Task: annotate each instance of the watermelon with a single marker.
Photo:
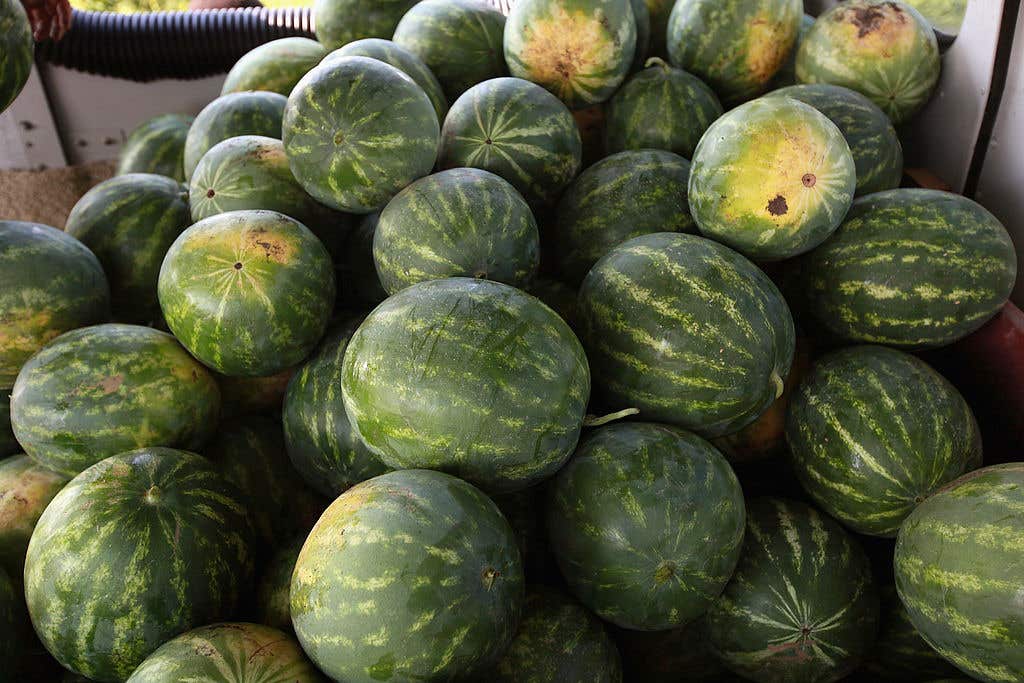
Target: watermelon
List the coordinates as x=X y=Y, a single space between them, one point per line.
x=459 y=40
x=622 y=196
x=412 y=575
x=49 y=283
x=238 y=113
x=945 y=16
x=559 y=640
x=356 y=131
x=106 y=389
x=8 y=444
x=676 y=500
x=910 y=268
x=157 y=146
x=687 y=331
x=877 y=153
x=787 y=74
x=25 y=491
x=660 y=108
x=358 y=281
x=129 y=222
x=273 y=602
x=463 y=222
x=275 y=66
x=773 y=178
x=802 y=605
x=643 y=34
x=136 y=549
x=517 y=130
x=900 y=653
x=579 y=50
x=885 y=50
x=339 y=22
x=247 y=292
x=468 y=376
x=16 y=51
x=960 y=572
x=673 y=656
x=252 y=395
x=735 y=46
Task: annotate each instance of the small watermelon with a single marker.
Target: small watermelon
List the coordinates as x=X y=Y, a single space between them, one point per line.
x=16 y=51
x=238 y=113
x=157 y=146
x=8 y=444
x=463 y=222
x=273 y=601
x=787 y=74
x=339 y=22
x=358 y=282
x=252 y=395
x=275 y=66
x=412 y=575
x=25 y=491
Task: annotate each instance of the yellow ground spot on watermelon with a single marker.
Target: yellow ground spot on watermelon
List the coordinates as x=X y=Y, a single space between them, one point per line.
x=28 y=329
x=884 y=29
x=767 y=47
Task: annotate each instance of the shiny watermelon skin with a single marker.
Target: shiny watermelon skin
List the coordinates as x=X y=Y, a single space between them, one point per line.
x=412 y=575
x=16 y=51
x=900 y=653
x=247 y=292
x=339 y=22
x=157 y=146
x=238 y=113
x=8 y=444
x=273 y=599
x=786 y=76
x=26 y=489
x=358 y=282
x=136 y=549
x=129 y=222
x=275 y=66
x=90 y=394
x=802 y=605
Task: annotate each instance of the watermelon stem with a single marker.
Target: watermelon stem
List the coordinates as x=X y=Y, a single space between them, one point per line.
x=780 y=385
x=656 y=61
x=595 y=421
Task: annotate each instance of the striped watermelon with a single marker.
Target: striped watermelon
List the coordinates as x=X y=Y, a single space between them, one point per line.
x=687 y=331
x=273 y=601
x=459 y=40
x=463 y=222
x=129 y=222
x=238 y=113
x=8 y=444
x=802 y=605
x=910 y=268
x=247 y=292
x=16 y=51
x=412 y=575
x=358 y=283
x=157 y=146
x=275 y=66
x=356 y=131
x=660 y=108
x=646 y=522
x=517 y=130
x=735 y=46
x=579 y=50
x=960 y=572
x=873 y=431
x=786 y=76
x=108 y=389
x=658 y=11
x=136 y=549
x=252 y=395
x=773 y=178
x=622 y=196
x=493 y=385
x=883 y=49
x=49 y=283
x=876 y=148
x=339 y=22
x=25 y=491
x=900 y=653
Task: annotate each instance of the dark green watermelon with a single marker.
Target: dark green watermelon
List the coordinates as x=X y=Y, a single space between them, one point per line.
x=16 y=51
x=136 y=549
x=273 y=602
x=339 y=22
x=157 y=146
x=25 y=490
x=673 y=656
x=239 y=113
x=247 y=292
x=802 y=605
x=252 y=395
x=129 y=222
x=469 y=376
x=358 y=282
x=900 y=653
x=412 y=575
x=517 y=130
x=8 y=444
x=275 y=66
x=108 y=389
x=786 y=76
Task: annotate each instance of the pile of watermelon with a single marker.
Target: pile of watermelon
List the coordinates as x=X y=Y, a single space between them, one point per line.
x=591 y=343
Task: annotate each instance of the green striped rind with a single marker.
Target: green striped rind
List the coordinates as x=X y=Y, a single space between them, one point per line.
x=273 y=600
x=157 y=146
x=16 y=51
x=459 y=40
x=339 y=22
x=735 y=46
x=786 y=76
x=129 y=222
x=687 y=331
x=773 y=178
x=239 y=113
x=660 y=108
x=358 y=283
x=275 y=66
x=672 y=656
x=464 y=222
x=49 y=283
x=960 y=572
x=253 y=395
x=356 y=131
x=643 y=34
x=25 y=491
x=234 y=652
x=579 y=50
x=8 y=444
x=468 y=376
x=558 y=640
x=802 y=605
x=517 y=130
x=411 y=576
x=247 y=292
x=622 y=196
x=900 y=653
x=885 y=50
x=876 y=149
x=910 y=268
x=133 y=551
x=873 y=431
x=405 y=61
x=103 y=390
x=658 y=12
x=646 y=522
